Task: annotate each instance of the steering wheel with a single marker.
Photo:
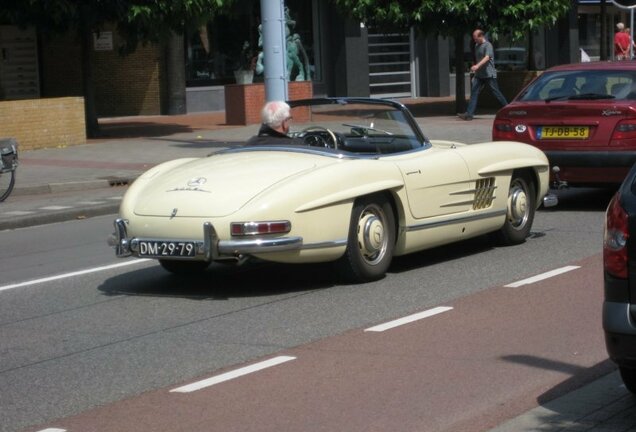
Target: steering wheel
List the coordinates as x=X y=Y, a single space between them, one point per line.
x=318 y=139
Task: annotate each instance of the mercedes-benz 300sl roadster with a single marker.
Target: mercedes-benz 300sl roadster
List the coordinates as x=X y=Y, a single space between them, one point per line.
x=358 y=185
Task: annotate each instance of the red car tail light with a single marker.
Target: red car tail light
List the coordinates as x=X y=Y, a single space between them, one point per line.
x=502 y=130
x=260 y=228
x=615 y=239
x=624 y=130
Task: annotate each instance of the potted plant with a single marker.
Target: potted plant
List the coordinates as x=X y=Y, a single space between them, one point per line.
x=247 y=62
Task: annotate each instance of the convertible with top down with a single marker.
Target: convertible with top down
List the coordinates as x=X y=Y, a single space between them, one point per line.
x=358 y=185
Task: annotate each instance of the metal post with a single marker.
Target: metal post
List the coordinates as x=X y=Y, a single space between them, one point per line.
x=631 y=33
x=274 y=49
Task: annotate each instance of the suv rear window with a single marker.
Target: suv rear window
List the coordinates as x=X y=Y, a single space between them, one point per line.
x=572 y=85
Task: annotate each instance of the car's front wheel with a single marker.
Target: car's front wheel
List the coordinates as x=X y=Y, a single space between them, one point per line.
x=183 y=267
x=371 y=240
x=520 y=209
x=629 y=378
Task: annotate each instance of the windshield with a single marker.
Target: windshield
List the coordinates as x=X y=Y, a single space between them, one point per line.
x=582 y=85
x=357 y=127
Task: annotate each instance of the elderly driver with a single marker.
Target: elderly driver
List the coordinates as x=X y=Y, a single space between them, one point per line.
x=275 y=117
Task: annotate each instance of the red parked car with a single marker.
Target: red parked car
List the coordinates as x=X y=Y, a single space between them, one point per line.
x=583 y=116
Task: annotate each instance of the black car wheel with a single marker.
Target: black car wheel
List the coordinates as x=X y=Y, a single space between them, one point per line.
x=629 y=378
x=371 y=240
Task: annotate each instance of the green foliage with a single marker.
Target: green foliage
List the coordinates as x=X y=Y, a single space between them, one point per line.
x=137 y=20
x=448 y=17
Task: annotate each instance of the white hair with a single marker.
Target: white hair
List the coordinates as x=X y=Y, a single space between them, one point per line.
x=274 y=113
x=620 y=26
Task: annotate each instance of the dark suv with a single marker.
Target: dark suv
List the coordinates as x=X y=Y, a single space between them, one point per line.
x=619 y=260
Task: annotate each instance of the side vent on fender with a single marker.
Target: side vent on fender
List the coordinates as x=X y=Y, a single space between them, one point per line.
x=484 y=193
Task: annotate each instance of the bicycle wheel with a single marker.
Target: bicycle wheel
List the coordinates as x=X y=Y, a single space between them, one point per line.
x=7 y=181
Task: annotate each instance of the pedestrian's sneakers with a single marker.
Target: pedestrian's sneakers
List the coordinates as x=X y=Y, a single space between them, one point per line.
x=465 y=116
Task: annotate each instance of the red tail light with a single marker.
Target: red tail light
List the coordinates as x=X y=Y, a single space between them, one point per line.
x=502 y=130
x=624 y=130
x=615 y=239
x=258 y=228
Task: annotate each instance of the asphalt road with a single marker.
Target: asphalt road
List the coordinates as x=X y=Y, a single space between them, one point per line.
x=77 y=334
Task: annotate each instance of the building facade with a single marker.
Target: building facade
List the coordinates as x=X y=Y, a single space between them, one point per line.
x=341 y=58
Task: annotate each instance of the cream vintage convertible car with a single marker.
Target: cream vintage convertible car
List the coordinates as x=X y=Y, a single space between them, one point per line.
x=360 y=185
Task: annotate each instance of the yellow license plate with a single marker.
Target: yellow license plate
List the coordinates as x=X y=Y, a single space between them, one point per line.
x=563 y=132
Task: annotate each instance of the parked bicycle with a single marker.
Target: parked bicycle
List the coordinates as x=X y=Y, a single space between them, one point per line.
x=8 y=166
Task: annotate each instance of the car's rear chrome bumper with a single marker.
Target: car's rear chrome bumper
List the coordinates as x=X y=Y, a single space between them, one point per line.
x=550 y=200
x=210 y=248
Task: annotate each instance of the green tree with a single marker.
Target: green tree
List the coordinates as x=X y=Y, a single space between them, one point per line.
x=456 y=18
x=138 y=21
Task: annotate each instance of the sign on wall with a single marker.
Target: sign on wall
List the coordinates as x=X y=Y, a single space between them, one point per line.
x=103 y=41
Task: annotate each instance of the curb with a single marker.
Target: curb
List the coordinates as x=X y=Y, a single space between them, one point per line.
x=84 y=185
x=58 y=216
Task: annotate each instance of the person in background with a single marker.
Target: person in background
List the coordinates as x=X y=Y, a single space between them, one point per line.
x=621 y=42
x=484 y=74
x=276 y=118
x=632 y=44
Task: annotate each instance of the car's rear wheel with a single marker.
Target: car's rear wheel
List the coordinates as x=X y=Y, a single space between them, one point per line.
x=520 y=209
x=371 y=240
x=629 y=378
x=183 y=267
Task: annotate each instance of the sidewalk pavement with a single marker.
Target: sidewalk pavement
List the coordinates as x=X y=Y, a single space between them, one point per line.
x=76 y=182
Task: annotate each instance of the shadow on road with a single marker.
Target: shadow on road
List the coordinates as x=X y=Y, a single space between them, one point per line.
x=440 y=254
x=221 y=282
x=583 y=199
x=579 y=375
x=602 y=403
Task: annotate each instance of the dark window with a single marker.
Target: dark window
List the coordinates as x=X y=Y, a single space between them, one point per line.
x=572 y=85
x=230 y=42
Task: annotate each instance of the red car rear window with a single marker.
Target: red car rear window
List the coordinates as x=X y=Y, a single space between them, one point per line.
x=582 y=85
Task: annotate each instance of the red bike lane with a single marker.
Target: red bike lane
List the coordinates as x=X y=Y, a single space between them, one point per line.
x=484 y=359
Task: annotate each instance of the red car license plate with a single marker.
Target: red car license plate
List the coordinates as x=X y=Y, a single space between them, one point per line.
x=163 y=248
x=563 y=132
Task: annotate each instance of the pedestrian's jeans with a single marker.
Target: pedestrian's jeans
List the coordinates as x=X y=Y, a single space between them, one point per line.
x=477 y=86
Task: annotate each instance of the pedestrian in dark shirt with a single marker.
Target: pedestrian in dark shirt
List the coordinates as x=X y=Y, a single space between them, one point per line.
x=484 y=74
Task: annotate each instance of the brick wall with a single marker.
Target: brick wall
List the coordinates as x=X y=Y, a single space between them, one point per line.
x=243 y=102
x=41 y=123
x=124 y=85
x=127 y=85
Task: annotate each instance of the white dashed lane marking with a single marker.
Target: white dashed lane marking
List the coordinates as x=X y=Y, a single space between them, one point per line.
x=542 y=276
x=232 y=374
x=71 y=274
x=409 y=319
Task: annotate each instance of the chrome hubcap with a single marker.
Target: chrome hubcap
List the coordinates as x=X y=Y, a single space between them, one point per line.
x=518 y=210
x=372 y=239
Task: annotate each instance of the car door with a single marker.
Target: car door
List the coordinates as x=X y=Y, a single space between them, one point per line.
x=437 y=183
